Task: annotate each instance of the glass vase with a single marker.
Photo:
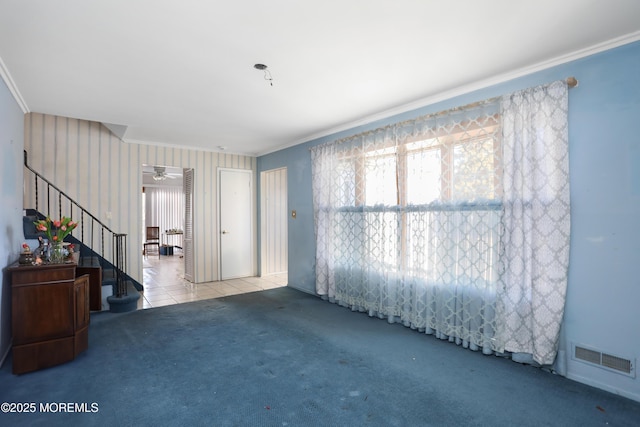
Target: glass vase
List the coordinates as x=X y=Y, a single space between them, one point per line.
x=57 y=253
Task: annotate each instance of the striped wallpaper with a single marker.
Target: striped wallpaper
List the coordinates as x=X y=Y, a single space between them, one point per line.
x=104 y=175
x=273 y=217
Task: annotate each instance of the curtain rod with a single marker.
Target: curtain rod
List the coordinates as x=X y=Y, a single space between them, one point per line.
x=571 y=83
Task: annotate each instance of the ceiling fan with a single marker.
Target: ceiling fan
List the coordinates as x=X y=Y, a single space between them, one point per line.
x=160 y=174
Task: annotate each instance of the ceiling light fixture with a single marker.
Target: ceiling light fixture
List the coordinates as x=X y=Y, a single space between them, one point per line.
x=267 y=73
x=160 y=173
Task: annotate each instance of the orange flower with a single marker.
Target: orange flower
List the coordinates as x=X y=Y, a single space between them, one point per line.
x=56 y=230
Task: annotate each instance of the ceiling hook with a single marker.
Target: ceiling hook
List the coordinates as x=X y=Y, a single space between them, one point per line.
x=267 y=73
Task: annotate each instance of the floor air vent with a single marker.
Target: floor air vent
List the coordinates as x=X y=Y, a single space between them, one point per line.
x=604 y=360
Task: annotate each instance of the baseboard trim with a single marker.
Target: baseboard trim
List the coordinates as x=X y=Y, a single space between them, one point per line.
x=306 y=291
x=604 y=386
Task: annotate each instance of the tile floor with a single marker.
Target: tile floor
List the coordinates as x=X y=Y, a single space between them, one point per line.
x=164 y=284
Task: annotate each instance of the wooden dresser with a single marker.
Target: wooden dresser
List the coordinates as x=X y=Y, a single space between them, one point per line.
x=50 y=315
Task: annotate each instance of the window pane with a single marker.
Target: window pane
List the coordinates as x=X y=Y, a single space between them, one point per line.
x=380 y=179
x=424 y=170
x=474 y=170
x=346 y=179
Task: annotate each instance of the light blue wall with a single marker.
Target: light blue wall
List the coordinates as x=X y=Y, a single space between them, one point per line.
x=12 y=141
x=603 y=301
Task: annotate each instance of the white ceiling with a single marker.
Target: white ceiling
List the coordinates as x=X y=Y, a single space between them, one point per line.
x=180 y=73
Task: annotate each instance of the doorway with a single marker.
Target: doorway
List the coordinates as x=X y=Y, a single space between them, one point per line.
x=163 y=207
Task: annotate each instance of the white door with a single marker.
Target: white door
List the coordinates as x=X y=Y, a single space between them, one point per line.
x=236 y=248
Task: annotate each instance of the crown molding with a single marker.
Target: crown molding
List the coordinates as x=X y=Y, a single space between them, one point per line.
x=186 y=147
x=6 y=77
x=464 y=89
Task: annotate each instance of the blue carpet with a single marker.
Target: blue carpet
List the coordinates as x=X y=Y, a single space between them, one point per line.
x=285 y=358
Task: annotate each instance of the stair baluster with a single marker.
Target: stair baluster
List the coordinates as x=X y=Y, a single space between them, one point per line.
x=119 y=243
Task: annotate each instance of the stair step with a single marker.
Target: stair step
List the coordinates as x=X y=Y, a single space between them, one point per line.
x=108 y=274
x=124 y=303
x=107 y=291
x=29 y=228
x=89 y=261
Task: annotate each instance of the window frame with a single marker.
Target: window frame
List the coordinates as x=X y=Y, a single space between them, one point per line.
x=445 y=143
x=433 y=139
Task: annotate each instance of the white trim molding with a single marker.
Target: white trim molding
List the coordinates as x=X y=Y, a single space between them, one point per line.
x=462 y=90
x=6 y=77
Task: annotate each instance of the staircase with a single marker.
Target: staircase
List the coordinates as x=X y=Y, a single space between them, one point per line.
x=104 y=259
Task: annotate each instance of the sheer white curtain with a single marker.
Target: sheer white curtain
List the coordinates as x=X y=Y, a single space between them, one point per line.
x=415 y=224
x=407 y=223
x=164 y=208
x=536 y=220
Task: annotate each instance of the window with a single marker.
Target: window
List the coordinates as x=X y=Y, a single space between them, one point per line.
x=427 y=206
x=409 y=221
x=380 y=177
x=424 y=173
x=412 y=220
x=456 y=167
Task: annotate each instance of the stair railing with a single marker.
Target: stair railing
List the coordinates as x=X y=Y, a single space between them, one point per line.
x=120 y=256
x=54 y=195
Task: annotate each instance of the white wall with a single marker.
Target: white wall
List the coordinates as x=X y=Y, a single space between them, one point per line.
x=104 y=175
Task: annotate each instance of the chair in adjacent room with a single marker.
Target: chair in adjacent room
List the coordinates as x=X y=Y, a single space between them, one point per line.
x=153 y=239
